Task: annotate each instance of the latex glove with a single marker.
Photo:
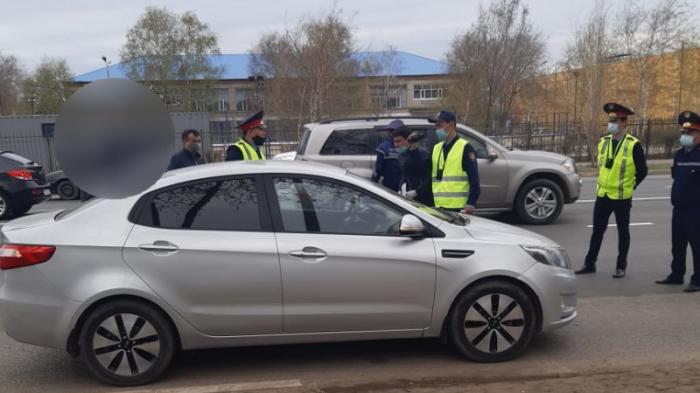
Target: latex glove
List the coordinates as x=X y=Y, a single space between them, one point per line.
x=411 y=194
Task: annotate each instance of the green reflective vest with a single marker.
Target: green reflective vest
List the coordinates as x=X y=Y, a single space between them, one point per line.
x=616 y=182
x=452 y=189
x=248 y=151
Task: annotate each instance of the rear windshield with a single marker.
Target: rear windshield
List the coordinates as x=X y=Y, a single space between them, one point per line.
x=17 y=158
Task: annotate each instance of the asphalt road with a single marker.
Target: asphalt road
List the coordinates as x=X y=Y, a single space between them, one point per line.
x=622 y=325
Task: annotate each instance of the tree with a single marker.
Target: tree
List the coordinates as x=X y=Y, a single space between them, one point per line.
x=493 y=59
x=381 y=70
x=308 y=68
x=11 y=76
x=44 y=90
x=169 y=52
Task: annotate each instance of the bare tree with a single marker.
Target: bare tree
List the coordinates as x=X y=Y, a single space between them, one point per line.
x=11 y=76
x=170 y=52
x=380 y=70
x=44 y=91
x=493 y=59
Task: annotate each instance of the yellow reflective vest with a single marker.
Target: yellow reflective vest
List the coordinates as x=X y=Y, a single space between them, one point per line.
x=616 y=182
x=451 y=189
x=248 y=151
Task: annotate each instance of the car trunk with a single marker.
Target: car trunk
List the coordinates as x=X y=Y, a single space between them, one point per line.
x=36 y=169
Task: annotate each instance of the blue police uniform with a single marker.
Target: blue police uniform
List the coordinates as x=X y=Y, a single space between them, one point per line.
x=388 y=167
x=185 y=158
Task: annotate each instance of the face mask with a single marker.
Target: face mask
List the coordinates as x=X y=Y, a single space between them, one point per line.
x=402 y=149
x=196 y=147
x=441 y=134
x=687 y=140
x=259 y=140
x=613 y=128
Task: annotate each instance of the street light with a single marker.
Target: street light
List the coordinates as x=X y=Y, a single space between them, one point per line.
x=32 y=100
x=107 y=63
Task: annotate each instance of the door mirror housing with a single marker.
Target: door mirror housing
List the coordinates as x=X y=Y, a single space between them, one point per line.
x=411 y=226
x=492 y=153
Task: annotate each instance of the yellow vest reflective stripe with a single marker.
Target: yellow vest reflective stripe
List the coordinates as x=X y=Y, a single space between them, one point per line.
x=249 y=153
x=618 y=181
x=452 y=190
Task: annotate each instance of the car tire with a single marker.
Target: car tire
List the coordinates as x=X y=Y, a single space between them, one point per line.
x=539 y=202
x=66 y=190
x=492 y=322
x=6 y=206
x=20 y=211
x=119 y=352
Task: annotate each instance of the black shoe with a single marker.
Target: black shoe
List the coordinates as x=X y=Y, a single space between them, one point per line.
x=585 y=270
x=692 y=288
x=670 y=281
x=619 y=273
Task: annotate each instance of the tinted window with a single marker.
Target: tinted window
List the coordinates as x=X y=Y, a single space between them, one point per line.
x=7 y=164
x=230 y=205
x=19 y=160
x=477 y=144
x=350 y=143
x=310 y=205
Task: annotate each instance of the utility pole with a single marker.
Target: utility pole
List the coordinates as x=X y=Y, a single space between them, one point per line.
x=680 y=78
x=107 y=63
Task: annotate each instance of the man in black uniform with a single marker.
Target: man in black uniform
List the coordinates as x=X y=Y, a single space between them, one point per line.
x=685 y=198
x=415 y=165
x=190 y=154
x=248 y=147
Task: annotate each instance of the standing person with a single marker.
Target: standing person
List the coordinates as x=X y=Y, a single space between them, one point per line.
x=248 y=147
x=387 y=167
x=622 y=166
x=455 y=173
x=415 y=165
x=685 y=198
x=191 y=153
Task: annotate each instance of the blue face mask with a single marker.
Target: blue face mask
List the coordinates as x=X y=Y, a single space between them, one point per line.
x=613 y=128
x=401 y=149
x=441 y=134
x=687 y=140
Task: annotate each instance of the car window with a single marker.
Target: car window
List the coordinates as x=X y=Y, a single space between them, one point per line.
x=7 y=164
x=355 y=142
x=301 y=150
x=311 y=205
x=228 y=205
x=477 y=144
x=18 y=160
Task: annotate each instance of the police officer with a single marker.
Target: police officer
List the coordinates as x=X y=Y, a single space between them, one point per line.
x=455 y=173
x=248 y=147
x=190 y=154
x=622 y=167
x=387 y=167
x=415 y=165
x=685 y=198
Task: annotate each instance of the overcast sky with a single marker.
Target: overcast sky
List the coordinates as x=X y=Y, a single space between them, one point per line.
x=82 y=31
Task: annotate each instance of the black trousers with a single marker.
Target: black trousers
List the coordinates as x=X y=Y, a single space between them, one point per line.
x=685 y=230
x=602 y=210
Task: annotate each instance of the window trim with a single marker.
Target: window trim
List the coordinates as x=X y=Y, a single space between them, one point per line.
x=265 y=218
x=276 y=214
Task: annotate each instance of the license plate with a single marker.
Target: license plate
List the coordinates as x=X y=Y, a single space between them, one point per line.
x=47 y=192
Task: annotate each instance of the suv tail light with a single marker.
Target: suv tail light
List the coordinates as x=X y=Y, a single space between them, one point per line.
x=18 y=255
x=19 y=173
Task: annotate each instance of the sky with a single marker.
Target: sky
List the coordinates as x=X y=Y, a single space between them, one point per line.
x=83 y=31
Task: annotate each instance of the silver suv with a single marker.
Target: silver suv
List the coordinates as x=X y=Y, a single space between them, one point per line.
x=534 y=184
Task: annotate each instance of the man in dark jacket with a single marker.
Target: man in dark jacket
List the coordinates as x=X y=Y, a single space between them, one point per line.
x=387 y=167
x=190 y=154
x=415 y=166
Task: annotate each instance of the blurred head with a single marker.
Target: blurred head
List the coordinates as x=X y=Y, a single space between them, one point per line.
x=401 y=138
x=192 y=140
x=690 y=128
x=445 y=121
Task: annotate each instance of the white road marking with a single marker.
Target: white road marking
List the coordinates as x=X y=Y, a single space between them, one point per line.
x=236 y=387
x=633 y=224
x=634 y=199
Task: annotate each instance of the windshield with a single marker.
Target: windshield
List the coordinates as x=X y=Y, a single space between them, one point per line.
x=441 y=214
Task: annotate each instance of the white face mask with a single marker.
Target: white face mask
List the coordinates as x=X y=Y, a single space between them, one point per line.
x=613 y=128
x=687 y=140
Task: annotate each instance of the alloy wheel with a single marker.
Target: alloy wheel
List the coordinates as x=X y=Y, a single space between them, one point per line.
x=540 y=202
x=494 y=323
x=126 y=344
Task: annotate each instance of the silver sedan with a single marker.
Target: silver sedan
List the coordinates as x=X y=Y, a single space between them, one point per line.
x=274 y=252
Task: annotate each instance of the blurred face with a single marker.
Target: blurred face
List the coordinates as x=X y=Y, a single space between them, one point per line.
x=260 y=131
x=695 y=134
x=621 y=122
x=400 y=141
x=192 y=139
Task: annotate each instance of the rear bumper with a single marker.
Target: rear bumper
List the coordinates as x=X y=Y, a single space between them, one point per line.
x=40 y=194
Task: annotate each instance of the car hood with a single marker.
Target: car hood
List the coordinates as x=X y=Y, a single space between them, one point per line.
x=30 y=221
x=536 y=155
x=492 y=231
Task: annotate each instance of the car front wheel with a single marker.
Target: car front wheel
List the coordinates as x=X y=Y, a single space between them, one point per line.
x=492 y=322
x=127 y=343
x=539 y=202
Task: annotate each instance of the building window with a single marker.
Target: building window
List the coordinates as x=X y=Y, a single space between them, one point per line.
x=244 y=99
x=388 y=97
x=220 y=98
x=427 y=92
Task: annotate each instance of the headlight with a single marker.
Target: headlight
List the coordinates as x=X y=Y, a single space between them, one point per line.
x=569 y=165
x=549 y=256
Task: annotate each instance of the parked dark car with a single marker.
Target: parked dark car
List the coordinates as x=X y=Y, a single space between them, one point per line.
x=22 y=184
x=62 y=186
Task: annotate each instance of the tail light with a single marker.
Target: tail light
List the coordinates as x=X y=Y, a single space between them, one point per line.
x=18 y=255
x=19 y=173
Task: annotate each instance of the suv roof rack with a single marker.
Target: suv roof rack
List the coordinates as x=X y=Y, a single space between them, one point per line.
x=373 y=118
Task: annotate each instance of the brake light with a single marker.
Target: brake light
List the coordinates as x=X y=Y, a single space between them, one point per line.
x=18 y=255
x=22 y=174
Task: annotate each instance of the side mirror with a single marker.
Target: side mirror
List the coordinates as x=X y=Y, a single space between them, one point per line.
x=492 y=154
x=411 y=227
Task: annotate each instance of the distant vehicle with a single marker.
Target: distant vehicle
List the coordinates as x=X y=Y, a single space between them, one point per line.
x=62 y=186
x=22 y=185
x=232 y=254
x=534 y=184
x=290 y=155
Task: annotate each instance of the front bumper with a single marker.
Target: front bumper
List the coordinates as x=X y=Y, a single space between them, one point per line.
x=574 y=183
x=556 y=290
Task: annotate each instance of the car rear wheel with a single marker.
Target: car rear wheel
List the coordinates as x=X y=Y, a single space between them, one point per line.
x=6 y=207
x=67 y=190
x=127 y=343
x=539 y=202
x=492 y=322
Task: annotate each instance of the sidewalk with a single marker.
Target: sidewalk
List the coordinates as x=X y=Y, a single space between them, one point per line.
x=656 y=167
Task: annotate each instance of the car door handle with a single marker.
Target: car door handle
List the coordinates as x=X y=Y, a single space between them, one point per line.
x=309 y=253
x=159 y=246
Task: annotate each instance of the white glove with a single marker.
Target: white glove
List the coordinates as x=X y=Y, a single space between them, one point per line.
x=411 y=194
x=402 y=190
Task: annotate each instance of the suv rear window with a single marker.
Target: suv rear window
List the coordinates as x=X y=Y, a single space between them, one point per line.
x=357 y=142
